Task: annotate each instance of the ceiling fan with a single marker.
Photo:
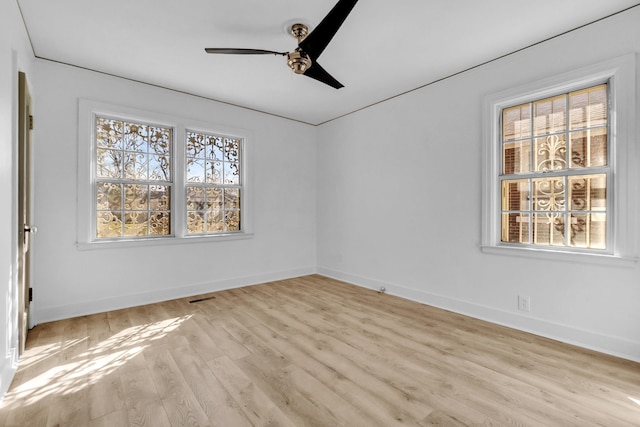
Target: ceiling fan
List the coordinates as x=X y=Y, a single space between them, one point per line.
x=303 y=60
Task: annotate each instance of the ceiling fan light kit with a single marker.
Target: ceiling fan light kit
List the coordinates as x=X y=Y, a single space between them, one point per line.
x=304 y=59
x=298 y=61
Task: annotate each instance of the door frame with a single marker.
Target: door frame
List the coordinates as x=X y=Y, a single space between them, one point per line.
x=24 y=217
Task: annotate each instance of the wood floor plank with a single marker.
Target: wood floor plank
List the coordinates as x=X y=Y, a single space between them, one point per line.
x=69 y=409
x=105 y=395
x=280 y=383
x=199 y=340
x=260 y=410
x=138 y=388
x=216 y=402
x=180 y=404
x=229 y=345
x=148 y=414
x=309 y=351
x=118 y=418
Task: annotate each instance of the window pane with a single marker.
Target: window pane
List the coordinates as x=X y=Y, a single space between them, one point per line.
x=195 y=170
x=136 y=137
x=135 y=223
x=159 y=198
x=515 y=195
x=214 y=221
x=215 y=147
x=195 y=198
x=515 y=228
x=516 y=123
x=136 y=197
x=231 y=173
x=516 y=157
x=108 y=224
x=232 y=220
x=159 y=140
x=160 y=224
x=232 y=150
x=232 y=198
x=108 y=163
x=136 y=166
x=195 y=222
x=588 y=107
x=214 y=172
x=548 y=194
x=195 y=145
x=550 y=153
x=108 y=196
x=549 y=115
x=588 y=230
x=159 y=168
x=109 y=133
x=589 y=148
x=214 y=198
x=588 y=192
x=548 y=229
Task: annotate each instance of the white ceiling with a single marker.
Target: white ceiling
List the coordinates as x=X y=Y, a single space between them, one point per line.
x=384 y=48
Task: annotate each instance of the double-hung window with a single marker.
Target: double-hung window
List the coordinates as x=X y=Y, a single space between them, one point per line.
x=152 y=178
x=555 y=170
x=133 y=179
x=213 y=186
x=559 y=162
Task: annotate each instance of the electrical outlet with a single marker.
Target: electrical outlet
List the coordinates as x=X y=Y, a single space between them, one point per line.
x=524 y=303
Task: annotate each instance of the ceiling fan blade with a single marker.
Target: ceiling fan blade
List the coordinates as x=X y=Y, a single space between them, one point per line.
x=315 y=43
x=320 y=74
x=234 y=51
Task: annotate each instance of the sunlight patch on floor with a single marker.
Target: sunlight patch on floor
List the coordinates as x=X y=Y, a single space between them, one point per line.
x=87 y=367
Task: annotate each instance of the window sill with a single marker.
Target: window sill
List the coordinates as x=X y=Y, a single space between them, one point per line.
x=551 y=255
x=161 y=241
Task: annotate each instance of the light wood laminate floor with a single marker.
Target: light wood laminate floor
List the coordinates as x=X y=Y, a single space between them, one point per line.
x=309 y=351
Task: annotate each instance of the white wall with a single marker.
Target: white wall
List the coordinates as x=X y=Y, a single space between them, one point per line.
x=68 y=282
x=15 y=55
x=399 y=204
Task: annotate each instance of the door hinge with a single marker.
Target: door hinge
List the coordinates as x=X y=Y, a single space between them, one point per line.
x=30 y=122
x=30 y=294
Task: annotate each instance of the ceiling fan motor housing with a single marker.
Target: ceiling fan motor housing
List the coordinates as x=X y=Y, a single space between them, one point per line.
x=298 y=61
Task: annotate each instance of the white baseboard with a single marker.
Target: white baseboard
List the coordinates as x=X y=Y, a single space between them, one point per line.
x=614 y=346
x=48 y=314
x=8 y=368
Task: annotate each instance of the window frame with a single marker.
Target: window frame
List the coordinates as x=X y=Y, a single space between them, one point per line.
x=619 y=74
x=240 y=186
x=566 y=174
x=125 y=181
x=86 y=210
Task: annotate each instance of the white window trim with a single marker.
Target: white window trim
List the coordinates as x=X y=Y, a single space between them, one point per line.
x=620 y=74
x=87 y=111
